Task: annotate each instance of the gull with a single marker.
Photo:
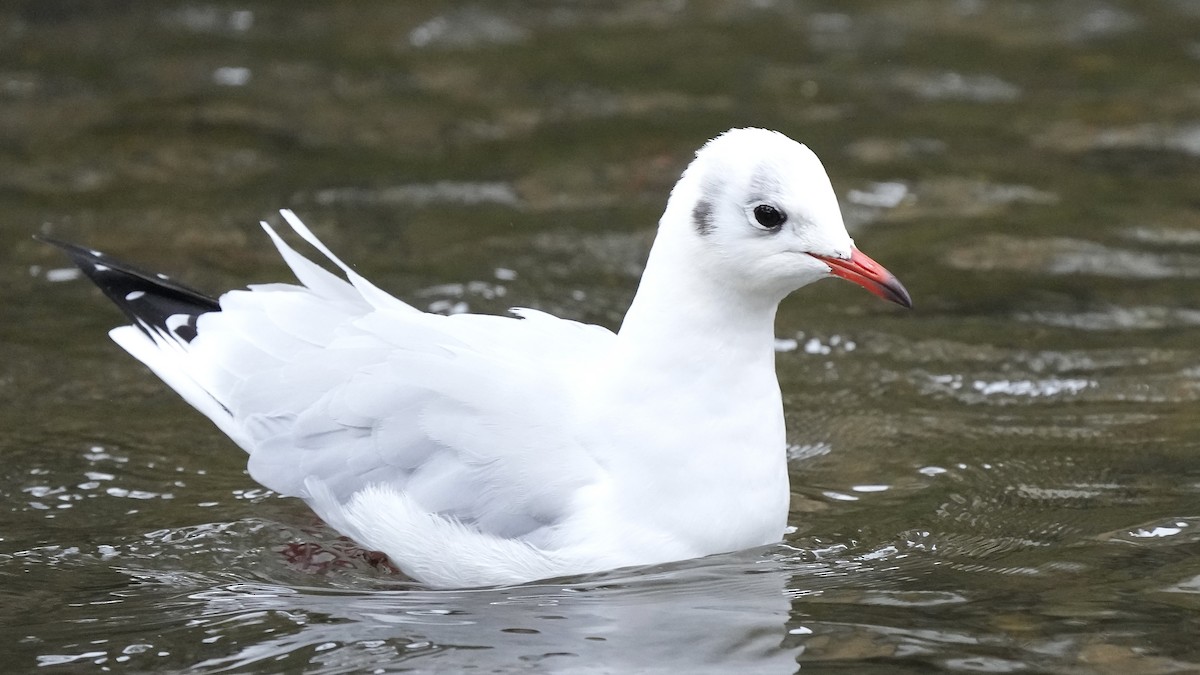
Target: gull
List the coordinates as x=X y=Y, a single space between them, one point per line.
x=482 y=450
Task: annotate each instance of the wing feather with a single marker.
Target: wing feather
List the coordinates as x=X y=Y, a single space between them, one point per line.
x=367 y=290
x=348 y=397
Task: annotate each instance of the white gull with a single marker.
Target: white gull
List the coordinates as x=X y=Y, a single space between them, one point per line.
x=482 y=450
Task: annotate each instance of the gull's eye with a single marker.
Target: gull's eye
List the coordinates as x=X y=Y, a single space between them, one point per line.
x=769 y=217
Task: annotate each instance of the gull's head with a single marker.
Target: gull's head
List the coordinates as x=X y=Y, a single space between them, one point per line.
x=758 y=213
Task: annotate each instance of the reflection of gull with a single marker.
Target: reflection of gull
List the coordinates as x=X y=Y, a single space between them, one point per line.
x=478 y=450
x=726 y=615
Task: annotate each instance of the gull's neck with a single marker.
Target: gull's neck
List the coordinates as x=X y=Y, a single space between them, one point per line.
x=683 y=314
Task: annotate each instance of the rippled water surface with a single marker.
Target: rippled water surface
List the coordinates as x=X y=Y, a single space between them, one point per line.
x=1006 y=479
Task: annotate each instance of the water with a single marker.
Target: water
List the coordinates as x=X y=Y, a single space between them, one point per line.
x=1006 y=479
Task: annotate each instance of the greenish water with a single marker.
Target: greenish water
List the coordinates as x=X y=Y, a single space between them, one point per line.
x=1006 y=479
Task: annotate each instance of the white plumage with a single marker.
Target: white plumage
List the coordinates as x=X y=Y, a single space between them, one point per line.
x=480 y=450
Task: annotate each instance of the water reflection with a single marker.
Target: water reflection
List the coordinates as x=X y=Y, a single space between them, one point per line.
x=724 y=616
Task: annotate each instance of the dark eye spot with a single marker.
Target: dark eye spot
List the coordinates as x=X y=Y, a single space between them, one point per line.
x=769 y=217
x=702 y=217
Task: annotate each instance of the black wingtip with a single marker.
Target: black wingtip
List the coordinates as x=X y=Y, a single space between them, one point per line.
x=151 y=301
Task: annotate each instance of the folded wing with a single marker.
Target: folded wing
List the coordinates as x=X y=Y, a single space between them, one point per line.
x=338 y=390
